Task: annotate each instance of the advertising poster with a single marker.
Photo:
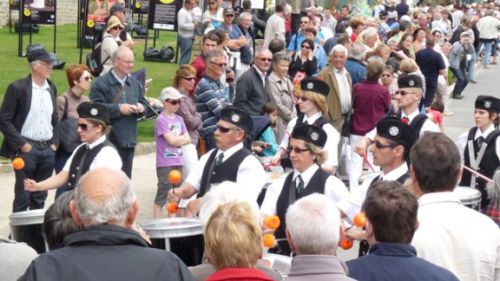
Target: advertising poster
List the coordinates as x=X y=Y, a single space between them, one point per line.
x=163 y=14
x=140 y=6
x=40 y=11
x=98 y=12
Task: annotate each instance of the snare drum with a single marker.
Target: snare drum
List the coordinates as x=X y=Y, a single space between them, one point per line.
x=27 y=227
x=182 y=236
x=470 y=197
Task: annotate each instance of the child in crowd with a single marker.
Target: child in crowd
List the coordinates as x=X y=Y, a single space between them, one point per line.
x=435 y=113
x=171 y=134
x=266 y=146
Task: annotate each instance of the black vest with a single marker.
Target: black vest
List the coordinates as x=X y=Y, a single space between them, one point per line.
x=319 y=122
x=79 y=165
x=487 y=167
x=226 y=171
x=288 y=196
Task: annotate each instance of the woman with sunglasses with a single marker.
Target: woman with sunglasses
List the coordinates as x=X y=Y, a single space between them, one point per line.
x=79 y=80
x=95 y=151
x=304 y=61
x=313 y=108
x=307 y=154
x=110 y=42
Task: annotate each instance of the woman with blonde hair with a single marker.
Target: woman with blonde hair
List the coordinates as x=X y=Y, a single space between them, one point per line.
x=313 y=111
x=381 y=52
x=409 y=66
x=233 y=243
x=212 y=17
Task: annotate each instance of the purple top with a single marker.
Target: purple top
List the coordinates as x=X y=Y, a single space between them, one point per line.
x=166 y=154
x=370 y=103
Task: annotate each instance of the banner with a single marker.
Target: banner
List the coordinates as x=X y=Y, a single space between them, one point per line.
x=98 y=12
x=40 y=11
x=163 y=14
x=140 y=6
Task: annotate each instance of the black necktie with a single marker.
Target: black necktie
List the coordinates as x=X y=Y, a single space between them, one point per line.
x=299 y=185
x=219 y=159
x=480 y=141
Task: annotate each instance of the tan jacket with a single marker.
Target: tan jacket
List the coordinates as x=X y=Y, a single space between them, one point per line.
x=333 y=100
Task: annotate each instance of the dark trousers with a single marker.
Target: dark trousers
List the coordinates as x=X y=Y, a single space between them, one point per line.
x=38 y=165
x=430 y=93
x=461 y=82
x=127 y=156
x=296 y=22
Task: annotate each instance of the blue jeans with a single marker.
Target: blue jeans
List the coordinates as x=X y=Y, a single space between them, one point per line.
x=38 y=165
x=471 y=68
x=185 y=44
x=486 y=51
x=461 y=82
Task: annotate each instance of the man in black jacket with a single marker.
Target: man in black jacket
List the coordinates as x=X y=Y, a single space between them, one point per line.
x=28 y=119
x=109 y=247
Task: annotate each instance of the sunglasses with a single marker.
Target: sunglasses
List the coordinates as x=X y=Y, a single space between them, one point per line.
x=189 y=78
x=87 y=78
x=402 y=93
x=226 y=130
x=84 y=127
x=230 y=16
x=380 y=145
x=297 y=150
x=306 y=47
x=173 y=102
x=219 y=64
x=302 y=98
x=265 y=59
x=117 y=28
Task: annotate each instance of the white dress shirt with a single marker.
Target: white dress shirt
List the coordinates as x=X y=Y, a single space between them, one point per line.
x=351 y=205
x=462 y=140
x=107 y=157
x=251 y=175
x=457 y=238
x=332 y=137
x=334 y=189
x=345 y=95
x=38 y=123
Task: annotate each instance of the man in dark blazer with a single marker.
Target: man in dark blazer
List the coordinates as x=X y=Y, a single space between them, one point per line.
x=28 y=120
x=250 y=95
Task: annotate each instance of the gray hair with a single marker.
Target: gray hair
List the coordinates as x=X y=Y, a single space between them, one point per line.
x=215 y=54
x=116 y=54
x=113 y=208
x=280 y=56
x=313 y=223
x=339 y=48
x=224 y=192
x=368 y=33
x=243 y=15
x=358 y=51
x=259 y=51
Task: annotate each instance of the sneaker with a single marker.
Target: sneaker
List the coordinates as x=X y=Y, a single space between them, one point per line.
x=493 y=62
x=458 y=97
x=473 y=81
x=448 y=113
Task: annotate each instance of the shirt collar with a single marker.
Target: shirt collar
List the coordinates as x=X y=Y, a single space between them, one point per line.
x=393 y=249
x=307 y=174
x=122 y=81
x=410 y=116
x=97 y=142
x=438 y=197
x=310 y=120
x=230 y=151
x=396 y=173
x=262 y=74
x=44 y=87
x=484 y=134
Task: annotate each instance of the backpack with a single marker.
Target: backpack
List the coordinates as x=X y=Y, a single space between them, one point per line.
x=94 y=61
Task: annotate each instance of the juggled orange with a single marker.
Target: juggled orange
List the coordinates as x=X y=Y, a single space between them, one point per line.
x=346 y=244
x=359 y=219
x=172 y=207
x=268 y=240
x=174 y=177
x=18 y=163
x=272 y=222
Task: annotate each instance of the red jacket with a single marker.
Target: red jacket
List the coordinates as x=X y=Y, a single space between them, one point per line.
x=239 y=274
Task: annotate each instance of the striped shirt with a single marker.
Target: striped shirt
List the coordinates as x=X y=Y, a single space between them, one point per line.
x=38 y=124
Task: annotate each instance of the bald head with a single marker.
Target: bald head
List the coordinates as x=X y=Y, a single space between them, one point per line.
x=104 y=195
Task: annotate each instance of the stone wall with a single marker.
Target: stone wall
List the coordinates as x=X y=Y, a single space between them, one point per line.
x=66 y=12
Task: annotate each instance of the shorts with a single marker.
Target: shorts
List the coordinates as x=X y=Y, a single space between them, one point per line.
x=163 y=185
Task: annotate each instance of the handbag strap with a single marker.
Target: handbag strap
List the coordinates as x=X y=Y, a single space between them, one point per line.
x=65 y=113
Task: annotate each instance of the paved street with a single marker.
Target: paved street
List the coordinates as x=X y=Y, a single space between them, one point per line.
x=144 y=175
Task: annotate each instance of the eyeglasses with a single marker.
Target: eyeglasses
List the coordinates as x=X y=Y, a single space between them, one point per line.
x=266 y=59
x=84 y=127
x=87 y=78
x=173 y=102
x=229 y=16
x=189 y=78
x=306 y=47
x=117 y=27
x=386 y=75
x=226 y=130
x=380 y=145
x=402 y=93
x=128 y=61
x=219 y=64
x=305 y=22
x=297 y=150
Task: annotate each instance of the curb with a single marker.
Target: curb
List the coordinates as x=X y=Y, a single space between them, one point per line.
x=140 y=149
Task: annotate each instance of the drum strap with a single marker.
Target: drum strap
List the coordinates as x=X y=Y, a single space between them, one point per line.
x=474 y=162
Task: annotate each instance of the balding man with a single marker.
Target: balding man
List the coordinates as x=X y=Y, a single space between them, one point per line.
x=123 y=95
x=108 y=247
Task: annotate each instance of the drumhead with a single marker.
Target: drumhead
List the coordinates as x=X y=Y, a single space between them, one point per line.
x=27 y=217
x=466 y=193
x=172 y=227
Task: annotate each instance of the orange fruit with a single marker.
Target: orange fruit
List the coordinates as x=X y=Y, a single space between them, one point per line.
x=359 y=219
x=172 y=208
x=272 y=222
x=268 y=240
x=174 y=177
x=18 y=163
x=346 y=244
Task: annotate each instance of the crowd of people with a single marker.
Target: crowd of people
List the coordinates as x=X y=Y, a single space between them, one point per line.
x=315 y=95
